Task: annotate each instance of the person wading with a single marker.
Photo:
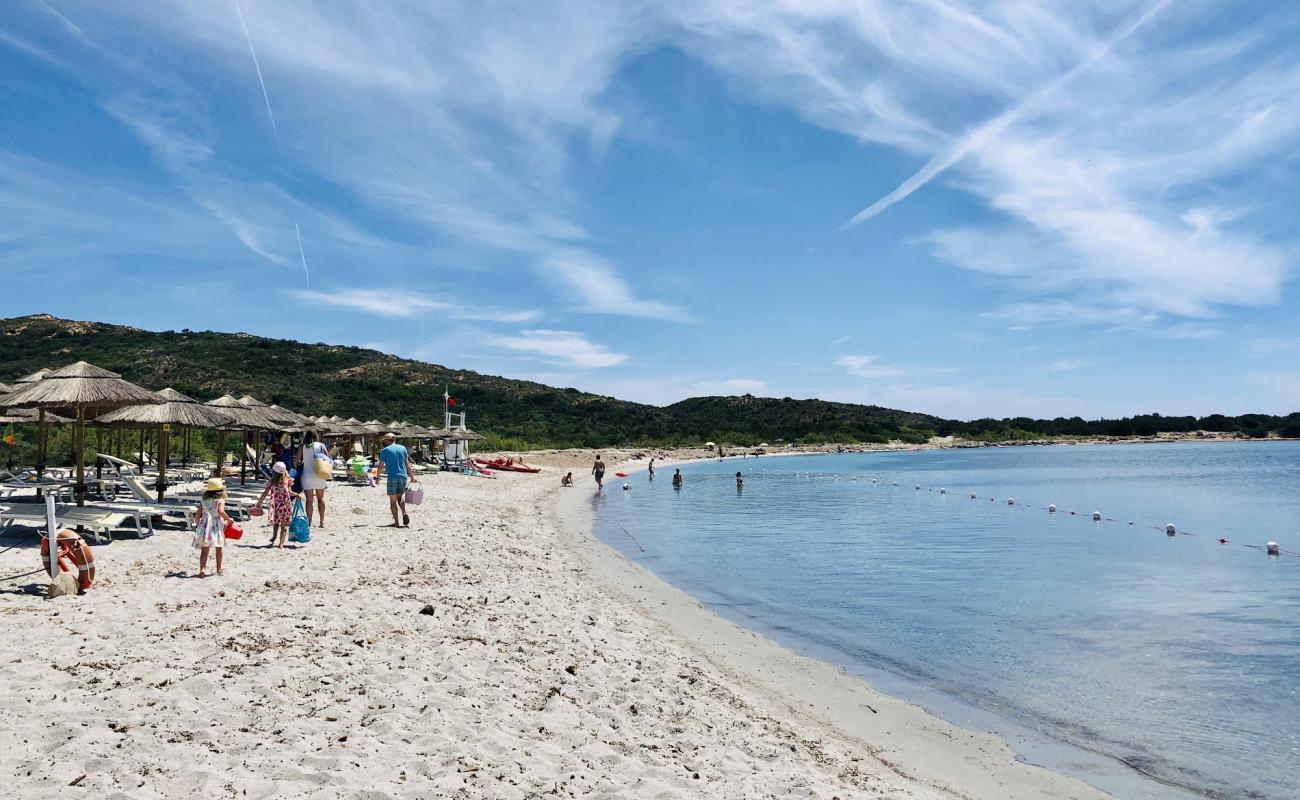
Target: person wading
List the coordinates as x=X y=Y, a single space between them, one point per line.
x=598 y=472
x=396 y=462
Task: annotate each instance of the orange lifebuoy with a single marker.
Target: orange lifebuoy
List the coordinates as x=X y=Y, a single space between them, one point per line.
x=74 y=556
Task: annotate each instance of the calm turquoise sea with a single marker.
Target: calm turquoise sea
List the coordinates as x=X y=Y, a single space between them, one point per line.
x=1178 y=656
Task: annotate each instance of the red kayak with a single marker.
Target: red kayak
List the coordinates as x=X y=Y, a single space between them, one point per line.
x=506 y=465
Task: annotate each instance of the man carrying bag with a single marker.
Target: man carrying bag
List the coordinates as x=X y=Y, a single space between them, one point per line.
x=395 y=461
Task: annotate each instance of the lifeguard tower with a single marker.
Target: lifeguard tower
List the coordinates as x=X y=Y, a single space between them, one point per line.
x=455 y=447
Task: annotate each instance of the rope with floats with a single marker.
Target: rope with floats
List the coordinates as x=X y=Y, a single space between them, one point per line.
x=1171 y=530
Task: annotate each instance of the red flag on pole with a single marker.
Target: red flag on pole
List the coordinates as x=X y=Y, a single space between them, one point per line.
x=451 y=401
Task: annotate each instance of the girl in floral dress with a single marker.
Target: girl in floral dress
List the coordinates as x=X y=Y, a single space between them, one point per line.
x=281 y=493
x=210 y=520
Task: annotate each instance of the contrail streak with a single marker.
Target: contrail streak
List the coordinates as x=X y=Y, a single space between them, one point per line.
x=306 y=272
x=982 y=134
x=258 y=67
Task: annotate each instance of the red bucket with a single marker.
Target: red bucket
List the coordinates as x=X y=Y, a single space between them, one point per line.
x=233 y=531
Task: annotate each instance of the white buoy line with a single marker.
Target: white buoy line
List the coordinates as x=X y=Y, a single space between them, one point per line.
x=1271 y=548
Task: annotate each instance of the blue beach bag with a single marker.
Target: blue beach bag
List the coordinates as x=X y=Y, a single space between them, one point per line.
x=299 y=525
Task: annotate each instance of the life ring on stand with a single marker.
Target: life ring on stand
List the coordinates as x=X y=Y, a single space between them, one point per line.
x=74 y=557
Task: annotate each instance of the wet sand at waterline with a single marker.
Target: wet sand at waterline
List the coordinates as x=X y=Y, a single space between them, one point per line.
x=493 y=649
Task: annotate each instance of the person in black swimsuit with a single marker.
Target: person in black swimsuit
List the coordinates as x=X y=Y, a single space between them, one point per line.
x=598 y=471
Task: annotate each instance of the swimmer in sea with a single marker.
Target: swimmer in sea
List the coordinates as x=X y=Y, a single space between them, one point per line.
x=677 y=479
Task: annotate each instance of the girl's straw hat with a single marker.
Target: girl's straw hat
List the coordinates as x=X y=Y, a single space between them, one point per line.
x=214 y=485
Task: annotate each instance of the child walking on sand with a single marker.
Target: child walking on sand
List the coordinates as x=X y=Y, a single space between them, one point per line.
x=210 y=520
x=282 y=494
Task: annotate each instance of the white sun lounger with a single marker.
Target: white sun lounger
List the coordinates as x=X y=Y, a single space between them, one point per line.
x=98 y=520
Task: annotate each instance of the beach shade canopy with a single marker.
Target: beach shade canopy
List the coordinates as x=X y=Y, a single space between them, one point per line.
x=279 y=420
x=355 y=427
x=27 y=416
x=79 y=385
x=241 y=416
x=375 y=426
x=293 y=420
x=323 y=425
x=710 y=444
x=177 y=409
x=465 y=435
x=35 y=376
x=87 y=390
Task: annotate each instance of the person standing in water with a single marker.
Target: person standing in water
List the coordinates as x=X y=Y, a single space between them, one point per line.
x=652 y=469
x=677 y=479
x=598 y=471
x=740 y=482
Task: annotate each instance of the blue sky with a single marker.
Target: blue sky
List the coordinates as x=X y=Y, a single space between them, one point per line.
x=970 y=209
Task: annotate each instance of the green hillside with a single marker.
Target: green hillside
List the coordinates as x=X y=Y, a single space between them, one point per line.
x=353 y=381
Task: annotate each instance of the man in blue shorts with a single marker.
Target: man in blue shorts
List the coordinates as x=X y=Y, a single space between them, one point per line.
x=396 y=462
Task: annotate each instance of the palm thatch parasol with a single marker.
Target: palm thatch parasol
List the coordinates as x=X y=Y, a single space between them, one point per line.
x=293 y=419
x=322 y=425
x=40 y=418
x=87 y=390
x=284 y=419
x=245 y=418
x=178 y=410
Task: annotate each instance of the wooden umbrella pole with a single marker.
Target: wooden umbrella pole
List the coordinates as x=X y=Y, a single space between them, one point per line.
x=221 y=452
x=40 y=443
x=243 y=460
x=99 y=448
x=141 y=459
x=164 y=444
x=79 y=438
x=185 y=457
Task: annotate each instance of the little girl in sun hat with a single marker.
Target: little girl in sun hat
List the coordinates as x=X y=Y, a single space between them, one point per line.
x=281 y=494
x=210 y=520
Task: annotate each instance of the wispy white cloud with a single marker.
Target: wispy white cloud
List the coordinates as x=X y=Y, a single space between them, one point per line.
x=867 y=366
x=1265 y=346
x=1115 y=144
x=1067 y=364
x=988 y=132
x=564 y=348
x=404 y=303
x=1025 y=316
x=595 y=286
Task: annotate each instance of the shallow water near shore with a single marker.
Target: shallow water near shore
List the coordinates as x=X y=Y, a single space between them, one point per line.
x=1177 y=655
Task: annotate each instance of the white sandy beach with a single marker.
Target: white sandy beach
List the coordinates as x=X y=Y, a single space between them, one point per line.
x=547 y=665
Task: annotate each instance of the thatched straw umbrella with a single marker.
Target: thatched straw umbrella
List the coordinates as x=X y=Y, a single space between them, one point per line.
x=178 y=410
x=245 y=418
x=293 y=420
x=26 y=416
x=41 y=421
x=87 y=390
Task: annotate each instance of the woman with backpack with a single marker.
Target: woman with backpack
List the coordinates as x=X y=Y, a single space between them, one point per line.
x=316 y=470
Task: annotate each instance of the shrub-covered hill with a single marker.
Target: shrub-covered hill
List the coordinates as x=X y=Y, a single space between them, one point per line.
x=356 y=382
x=353 y=381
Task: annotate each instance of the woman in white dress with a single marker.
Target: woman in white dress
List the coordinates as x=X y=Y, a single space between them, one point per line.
x=313 y=485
